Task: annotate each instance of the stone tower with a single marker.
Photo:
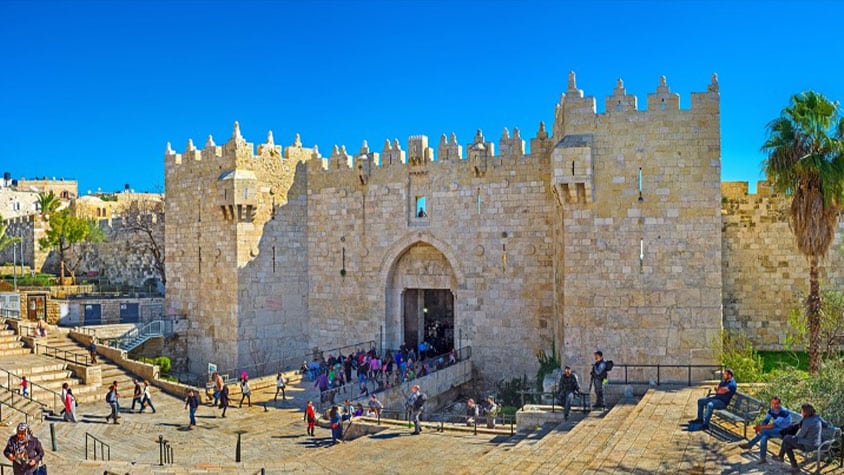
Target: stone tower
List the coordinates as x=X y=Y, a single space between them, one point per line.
x=220 y=201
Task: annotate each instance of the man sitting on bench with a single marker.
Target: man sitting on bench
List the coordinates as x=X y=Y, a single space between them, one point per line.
x=723 y=394
x=777 y=419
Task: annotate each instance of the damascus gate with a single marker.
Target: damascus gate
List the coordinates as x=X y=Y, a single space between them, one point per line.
x=599 y=230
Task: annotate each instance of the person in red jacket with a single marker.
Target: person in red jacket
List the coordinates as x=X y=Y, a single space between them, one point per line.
x=310 y=418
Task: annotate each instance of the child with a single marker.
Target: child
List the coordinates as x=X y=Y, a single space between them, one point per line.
x=310 y=418
x=245 y=392
x=192 y=402
x=24 y=386
x=336 y=425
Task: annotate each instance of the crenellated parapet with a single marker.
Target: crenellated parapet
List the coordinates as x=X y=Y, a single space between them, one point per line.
x=511 y=147
x=449 y=150
x=644 y=141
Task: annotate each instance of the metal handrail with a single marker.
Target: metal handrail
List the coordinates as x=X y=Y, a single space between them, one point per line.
x=32 y=387
x=105 y=449
x=10 y=313
x=659 y=368
x=585 y=403
x=445 y=418
x=287 y=364
x=15 y=394
x=26 y=415
x=152 y=329
x=65 y=355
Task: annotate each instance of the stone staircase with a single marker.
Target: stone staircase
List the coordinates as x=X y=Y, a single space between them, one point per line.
x=110 y=372
x=11 y=344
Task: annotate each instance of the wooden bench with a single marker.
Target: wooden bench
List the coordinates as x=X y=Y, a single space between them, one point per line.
x=741 y=409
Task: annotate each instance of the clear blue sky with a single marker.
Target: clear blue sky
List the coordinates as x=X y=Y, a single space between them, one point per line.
x=94 y=90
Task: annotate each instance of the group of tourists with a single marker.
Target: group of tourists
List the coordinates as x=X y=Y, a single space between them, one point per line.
x=365 y=372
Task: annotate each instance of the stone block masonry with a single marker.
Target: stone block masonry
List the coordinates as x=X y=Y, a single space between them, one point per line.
x=607 y=234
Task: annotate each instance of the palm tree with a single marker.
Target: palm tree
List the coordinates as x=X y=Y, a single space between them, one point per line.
x=805 y=160
x=48 y=202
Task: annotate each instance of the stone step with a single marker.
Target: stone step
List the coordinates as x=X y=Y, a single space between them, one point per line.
x=9 y=338
x=10 y=345
x=20 y=350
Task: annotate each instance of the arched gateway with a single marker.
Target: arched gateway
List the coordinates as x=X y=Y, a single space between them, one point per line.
x=420 y=297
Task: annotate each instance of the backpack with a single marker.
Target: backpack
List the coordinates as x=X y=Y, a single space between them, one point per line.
x=108 y=396
x=609 y=365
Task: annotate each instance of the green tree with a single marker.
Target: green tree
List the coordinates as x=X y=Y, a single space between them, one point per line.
x=805 y=160
x=6 y=241
x=830 y=322
x=65 y=231
x=48 y=202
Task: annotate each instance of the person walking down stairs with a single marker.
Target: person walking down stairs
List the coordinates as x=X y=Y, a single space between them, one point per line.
x=137 y=394
x=146 y=398
x=112 y=400
x=245 y=391
x=69 y=406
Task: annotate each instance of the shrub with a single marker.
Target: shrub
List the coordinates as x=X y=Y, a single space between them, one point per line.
x=824 y=390
x=736 y=352
x=510 y=392
x=547 y=364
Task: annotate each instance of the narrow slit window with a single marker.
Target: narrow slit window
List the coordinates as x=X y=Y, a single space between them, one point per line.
x=662 y=104
x=572 y=168
x=618 y=106
x=479 y=200
x=273 y=259
x=641 y=254
x=421 y=208
x=640 y=185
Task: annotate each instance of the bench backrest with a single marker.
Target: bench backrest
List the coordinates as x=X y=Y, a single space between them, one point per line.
x=745 y=405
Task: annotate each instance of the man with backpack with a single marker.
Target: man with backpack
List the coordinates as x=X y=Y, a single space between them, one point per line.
x=417 y=401
x=600 y=368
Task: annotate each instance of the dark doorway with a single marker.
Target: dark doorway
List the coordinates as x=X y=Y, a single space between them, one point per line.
x=429 y=317
x=36 y=307
x=93 y=314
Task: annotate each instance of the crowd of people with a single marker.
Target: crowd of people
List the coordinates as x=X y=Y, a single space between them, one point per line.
x=364 y=372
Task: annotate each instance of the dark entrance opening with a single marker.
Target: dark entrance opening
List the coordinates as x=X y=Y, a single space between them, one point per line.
x=429 y=317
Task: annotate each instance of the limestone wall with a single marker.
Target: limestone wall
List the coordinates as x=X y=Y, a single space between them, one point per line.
x=764 y=274
x=638 y=245
x=234 y=263
x=486 y=237
x=270 y=253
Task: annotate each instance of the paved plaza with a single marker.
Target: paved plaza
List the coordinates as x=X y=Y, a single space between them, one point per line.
x=643 y=437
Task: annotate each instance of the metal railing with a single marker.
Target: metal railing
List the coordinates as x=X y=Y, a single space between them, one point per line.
x=441 y=419
x=583 y=400
x=327 y=397
x=26 y=415
x=286 y=364
x=16 y=396
x=105 y=449
x=4 y=466
x=648 y=368
x=10 y=313
x=60 y=354
x=13 y=380
x=138 y=335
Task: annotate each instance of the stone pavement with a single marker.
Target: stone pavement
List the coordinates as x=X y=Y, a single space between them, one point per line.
x=644 y=437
